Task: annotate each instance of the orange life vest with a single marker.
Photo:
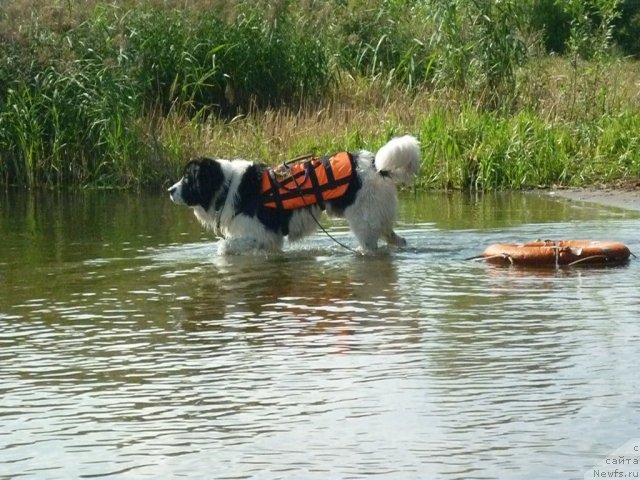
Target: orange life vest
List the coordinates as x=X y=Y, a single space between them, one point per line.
x=307 y=182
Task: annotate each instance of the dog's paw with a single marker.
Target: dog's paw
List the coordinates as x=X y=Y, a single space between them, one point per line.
x=395 y=240
x=401 y=242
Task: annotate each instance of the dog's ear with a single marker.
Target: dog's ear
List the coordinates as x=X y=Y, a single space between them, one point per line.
x=202 y=178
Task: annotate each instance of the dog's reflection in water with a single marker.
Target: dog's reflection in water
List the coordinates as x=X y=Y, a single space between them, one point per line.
x=277 y=297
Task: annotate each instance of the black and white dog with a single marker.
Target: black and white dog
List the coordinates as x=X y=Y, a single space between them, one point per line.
x=229 y=197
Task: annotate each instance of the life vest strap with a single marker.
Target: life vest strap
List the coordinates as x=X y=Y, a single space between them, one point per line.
x=296 y=178
x=331 y=180
x=275 y=189
x=315 y=185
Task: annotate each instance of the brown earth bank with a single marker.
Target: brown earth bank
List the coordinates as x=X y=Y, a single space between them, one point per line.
x=624 y=194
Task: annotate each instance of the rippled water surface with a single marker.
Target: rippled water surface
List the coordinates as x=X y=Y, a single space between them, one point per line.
x=129 y=349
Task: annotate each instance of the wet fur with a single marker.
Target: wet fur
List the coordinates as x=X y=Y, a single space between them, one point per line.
x=226 y=197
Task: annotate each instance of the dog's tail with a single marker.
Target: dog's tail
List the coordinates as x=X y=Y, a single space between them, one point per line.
x=399 y=159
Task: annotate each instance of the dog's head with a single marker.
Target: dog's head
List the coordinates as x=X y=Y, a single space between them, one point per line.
x=201 y=179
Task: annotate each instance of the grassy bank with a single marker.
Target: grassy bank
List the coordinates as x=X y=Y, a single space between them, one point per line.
x=461 y=148
x=120 y=95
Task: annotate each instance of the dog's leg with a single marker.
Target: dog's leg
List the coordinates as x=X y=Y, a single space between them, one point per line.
x=392 y=238
x=247 y=245
x=367 y=238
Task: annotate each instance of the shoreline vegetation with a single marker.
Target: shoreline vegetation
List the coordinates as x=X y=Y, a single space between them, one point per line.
x=502 y=95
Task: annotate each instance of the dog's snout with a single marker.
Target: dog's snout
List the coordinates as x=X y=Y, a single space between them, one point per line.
x=175 y=194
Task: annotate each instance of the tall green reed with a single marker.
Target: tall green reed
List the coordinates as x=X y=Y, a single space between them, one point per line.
x=477 y=49
x=589 y=48
x=486 y=151
x=201 y=61
x=73 y=115
x=118 y=96
x=383 y=41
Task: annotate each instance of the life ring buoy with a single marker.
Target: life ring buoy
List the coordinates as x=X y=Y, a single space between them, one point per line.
x=562 y=252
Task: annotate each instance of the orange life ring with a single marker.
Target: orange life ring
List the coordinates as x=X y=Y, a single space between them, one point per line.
x=562 y=252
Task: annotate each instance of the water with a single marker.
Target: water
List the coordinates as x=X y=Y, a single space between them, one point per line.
x=128 y=349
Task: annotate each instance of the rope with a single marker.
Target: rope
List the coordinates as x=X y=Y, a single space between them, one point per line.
x=297 y=159
x=580 y=260
x=500 y=255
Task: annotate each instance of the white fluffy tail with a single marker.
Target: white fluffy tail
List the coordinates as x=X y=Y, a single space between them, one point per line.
x=400 y=159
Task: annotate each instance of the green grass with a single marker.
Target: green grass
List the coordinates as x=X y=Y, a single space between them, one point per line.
x=484 y=152
x=120 y=95
x=464 y=149
x=73 y=99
